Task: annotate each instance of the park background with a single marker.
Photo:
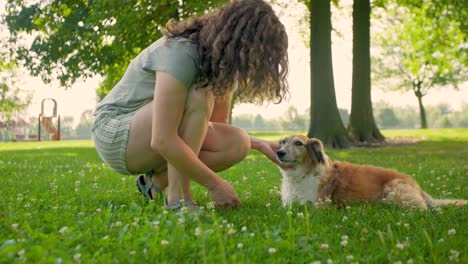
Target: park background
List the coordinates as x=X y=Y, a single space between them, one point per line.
x=446 y=107
x=61 y=204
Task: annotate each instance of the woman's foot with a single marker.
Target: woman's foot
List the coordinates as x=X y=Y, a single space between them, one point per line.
x=182 y=205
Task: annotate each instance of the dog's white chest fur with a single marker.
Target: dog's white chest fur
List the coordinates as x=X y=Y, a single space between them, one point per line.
x=300 y=186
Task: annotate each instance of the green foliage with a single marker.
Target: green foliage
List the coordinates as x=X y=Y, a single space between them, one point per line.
x=12 y=99
x=80 y=38
x=61 y=204
x=418 y=52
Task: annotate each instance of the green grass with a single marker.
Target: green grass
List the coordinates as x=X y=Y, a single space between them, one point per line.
x=60 y=204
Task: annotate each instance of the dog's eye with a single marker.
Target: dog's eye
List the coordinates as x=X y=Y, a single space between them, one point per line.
x=298 y=143
x=283 y=141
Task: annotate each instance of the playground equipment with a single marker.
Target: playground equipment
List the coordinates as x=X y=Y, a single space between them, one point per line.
x=45 y=120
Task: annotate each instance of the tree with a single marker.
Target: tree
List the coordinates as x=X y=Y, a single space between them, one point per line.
x=83 y=129
x=293 y=121
x=325 y=122
x=80 y=38
x=362 y=126
x=420 y=53
x=12 y=99
x=387 y=118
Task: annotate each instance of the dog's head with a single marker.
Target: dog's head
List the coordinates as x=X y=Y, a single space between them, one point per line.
x=298 y=150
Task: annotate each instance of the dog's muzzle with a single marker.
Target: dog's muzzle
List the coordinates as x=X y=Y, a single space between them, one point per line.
x=281 y=153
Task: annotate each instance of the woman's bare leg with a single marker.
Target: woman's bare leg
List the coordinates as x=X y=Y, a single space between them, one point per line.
x=223 y=146
x=192 y=130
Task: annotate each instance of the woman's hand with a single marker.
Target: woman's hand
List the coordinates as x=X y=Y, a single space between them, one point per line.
x=269 y=149
x=224 y=195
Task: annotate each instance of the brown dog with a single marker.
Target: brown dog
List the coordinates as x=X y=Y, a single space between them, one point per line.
x=312 y=176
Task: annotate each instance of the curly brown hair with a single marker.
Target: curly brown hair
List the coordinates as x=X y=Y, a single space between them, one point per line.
x=243 y=43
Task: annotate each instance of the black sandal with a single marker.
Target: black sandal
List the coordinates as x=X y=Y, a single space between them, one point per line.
x=147 y=188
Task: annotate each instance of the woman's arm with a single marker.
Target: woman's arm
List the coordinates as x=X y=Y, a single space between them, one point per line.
x=169 y=103
x=221 y=109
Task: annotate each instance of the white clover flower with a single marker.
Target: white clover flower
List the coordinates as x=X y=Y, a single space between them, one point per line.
x=349 y=257
x=454 y=254
x=288 y=212
x=164 y=242
x=247 y=195
x=345 y=218
x=132 y=252
x=252 y=234
x=243 y=229
x=63 y=230
x=410 y=261
x=272 y=250
x=344 y=243
x=300 y=215
x=77 y=184
x=198 y=231
x=210 y=205
x=231 y=231
x=316 y=262
x=323 y=245
x=344 y=237
x=452 y=232
x=400 y=245
x=329 y=261
x=244 y=178
x=14 y=227
x=105 y=237
x=77 y=257
x=98 y=210
x=268 y=205
x=240 y=245
x=181 y=221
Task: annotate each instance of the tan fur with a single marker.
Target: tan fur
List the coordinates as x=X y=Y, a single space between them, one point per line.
x=346 y=183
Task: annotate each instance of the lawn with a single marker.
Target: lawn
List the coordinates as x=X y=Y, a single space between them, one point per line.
x=61 y=204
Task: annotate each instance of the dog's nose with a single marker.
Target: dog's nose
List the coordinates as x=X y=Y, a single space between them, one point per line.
x=281 y=153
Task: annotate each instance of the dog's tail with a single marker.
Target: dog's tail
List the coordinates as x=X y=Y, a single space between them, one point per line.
x=445 y=202
x=431 y=202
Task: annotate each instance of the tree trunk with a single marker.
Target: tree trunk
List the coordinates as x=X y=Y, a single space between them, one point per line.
x=422 y=111
x=325 y=121
x=362 y=126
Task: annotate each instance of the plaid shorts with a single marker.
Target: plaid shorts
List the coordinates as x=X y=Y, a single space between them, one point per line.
x=110 y=131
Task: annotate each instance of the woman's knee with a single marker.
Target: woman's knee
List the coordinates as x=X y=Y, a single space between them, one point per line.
x=240 y=144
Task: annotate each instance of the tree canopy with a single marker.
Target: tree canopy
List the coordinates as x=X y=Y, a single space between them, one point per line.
x=81 y=38
x=419 y=53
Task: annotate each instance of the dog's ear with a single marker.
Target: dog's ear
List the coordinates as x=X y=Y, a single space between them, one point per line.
x=314 y=147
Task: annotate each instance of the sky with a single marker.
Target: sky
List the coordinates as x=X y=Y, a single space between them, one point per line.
x=81 y=96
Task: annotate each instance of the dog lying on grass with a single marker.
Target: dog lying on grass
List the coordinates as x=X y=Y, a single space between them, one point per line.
x=309 y=175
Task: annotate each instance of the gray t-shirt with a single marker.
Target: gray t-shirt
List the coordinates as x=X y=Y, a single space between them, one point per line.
x=178 y=57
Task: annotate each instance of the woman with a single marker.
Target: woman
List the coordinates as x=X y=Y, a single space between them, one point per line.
x=168 y=115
